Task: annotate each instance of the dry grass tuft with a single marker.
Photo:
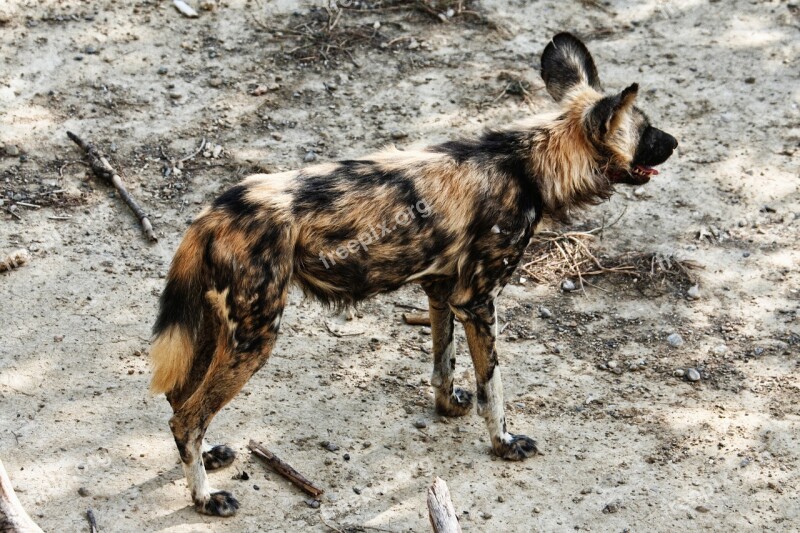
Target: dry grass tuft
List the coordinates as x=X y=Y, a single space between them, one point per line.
x=555 y=256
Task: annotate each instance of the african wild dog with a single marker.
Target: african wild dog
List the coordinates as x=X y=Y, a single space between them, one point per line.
x=228 y=284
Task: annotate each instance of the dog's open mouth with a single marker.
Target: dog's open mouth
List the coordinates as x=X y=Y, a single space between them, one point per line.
x=638 y=175
x=642 y=170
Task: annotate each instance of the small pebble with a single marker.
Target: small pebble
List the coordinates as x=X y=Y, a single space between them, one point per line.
x=612 y=365
x=398 y=134
x=310 y=157
x=356 y=490
x=486 y=515
x=692 y=374
x=679 y=373
x=611 y=508
x=162 y=70
x=693 y=292
x=241 y=476
x=256 y=487
x=420 y=424
x=545 y=312
x=215 y=153
x=639 y=191
x=701 y=509
x=675 y=340
x=346 y=457
x=567 y=285
x=720 y=349
x=11 y=150
x=425 y=330
x=537 y=510
x=215 y=82
x=83 y=491
x=175 y=95
x=258 y=91
x=331 y=447
x=314 y=504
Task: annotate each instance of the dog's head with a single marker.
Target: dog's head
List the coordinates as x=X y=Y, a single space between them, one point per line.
x=627 y=146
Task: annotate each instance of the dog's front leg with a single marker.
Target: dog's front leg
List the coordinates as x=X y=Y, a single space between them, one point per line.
x=450 y=401
x=480 y=325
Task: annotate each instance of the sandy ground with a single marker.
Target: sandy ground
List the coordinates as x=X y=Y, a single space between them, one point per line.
x=629 y=446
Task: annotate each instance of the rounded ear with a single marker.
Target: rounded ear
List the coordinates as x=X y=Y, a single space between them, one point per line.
x=607 y=114
x=566 y=63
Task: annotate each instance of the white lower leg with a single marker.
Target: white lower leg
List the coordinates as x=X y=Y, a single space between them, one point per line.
x=195 y=472
x=493 y=411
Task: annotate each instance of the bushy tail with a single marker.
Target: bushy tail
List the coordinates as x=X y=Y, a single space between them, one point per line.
x=180 y=313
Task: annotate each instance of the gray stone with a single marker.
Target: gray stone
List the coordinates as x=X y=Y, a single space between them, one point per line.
x=310 y=157
x=420 y=424
x=545 y=312
x=567 y=285
x=679 y=373
x=692 y=374
x=675 y=340
x=11 y=150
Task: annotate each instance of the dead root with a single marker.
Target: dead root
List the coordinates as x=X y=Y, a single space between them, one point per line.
x=14 y=260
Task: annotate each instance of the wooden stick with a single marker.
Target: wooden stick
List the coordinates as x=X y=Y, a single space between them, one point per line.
x=103 y=170
x=441 y=512
x=13 y=518
x=284 y=469
x=417 y=319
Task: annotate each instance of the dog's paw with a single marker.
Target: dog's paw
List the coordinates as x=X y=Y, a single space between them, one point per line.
x=519 y=447
x=218 y=457
x=457 y=404
x=220 y=503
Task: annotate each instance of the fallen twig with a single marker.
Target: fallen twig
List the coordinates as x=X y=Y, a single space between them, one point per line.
x=441 y=512
x=103 y=170
x=417 y=319
x=14 y=260
x=13 y=518
x=92 y=521
x=284 y=469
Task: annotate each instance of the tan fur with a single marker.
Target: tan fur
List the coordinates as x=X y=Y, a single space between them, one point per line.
x=171 y=357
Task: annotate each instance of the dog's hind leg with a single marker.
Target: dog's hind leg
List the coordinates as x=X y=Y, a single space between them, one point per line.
x=229 y=371
x=250 y=311
x=480 y=322
x=450 y=401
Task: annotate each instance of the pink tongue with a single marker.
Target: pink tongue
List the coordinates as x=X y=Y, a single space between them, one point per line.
x=647 y=170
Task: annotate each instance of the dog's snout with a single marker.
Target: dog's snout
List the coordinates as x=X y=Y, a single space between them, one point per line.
x=673 y=142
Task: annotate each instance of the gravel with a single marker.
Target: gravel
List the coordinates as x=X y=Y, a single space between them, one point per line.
x=545 y=312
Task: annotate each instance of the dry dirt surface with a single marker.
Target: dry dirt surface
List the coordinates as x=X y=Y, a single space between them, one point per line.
x=630 y=442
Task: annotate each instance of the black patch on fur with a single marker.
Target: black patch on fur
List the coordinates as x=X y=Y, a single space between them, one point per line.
x=234 y=202
x=317 y=193
x=507 y=151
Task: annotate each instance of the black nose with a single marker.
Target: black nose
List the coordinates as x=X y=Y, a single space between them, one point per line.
x=672 y=141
